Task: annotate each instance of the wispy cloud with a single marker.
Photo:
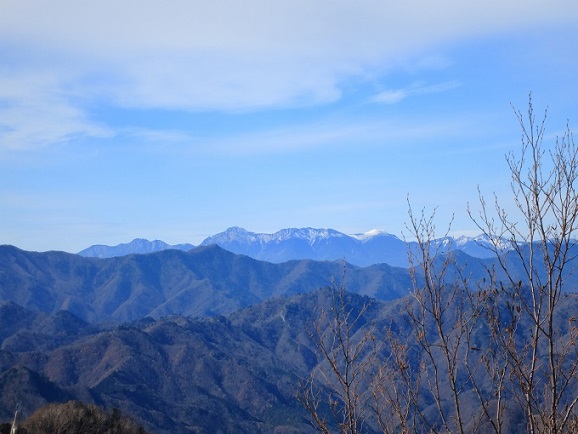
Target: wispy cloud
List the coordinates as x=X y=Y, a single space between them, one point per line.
x=221 y=55
x=332 y=133
x=34 y=113
x=397 y=95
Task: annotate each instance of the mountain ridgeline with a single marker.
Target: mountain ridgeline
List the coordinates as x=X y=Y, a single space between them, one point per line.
x=373 y=247
x=207 y=340
x=205 y=281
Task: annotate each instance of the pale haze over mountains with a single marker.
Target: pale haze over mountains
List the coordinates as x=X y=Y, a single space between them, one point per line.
x=372 y=247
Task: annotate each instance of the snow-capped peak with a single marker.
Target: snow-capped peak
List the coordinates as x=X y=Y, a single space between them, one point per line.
x=484 y=241
x=233 y=234
x=309 y=234
x=369 y=234
x=237 y=234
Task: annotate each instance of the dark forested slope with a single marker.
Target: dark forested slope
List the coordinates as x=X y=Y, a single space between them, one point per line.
x=205 y=281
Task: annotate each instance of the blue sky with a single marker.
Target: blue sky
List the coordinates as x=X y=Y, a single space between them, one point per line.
x=176 y=120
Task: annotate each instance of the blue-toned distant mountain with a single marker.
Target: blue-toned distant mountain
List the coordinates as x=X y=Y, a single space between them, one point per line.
x=138 y=246
x=205 y=281
x=373 y=247
x=369 y=248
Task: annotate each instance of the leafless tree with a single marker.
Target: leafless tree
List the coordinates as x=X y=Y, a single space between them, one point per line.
x=446 y=317
x=537 y=238
x=341 y=382
x=436 y=377
x=393 y=388
x=390 y=386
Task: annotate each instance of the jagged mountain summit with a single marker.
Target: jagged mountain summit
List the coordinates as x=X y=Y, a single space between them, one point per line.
x=364 y=249
x=136 y=246
x=479 y=247
x=373 y=247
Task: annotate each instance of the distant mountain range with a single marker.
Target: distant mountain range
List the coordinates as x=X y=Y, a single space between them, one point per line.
x=373 y=247
x=205 y=340
x=205 y=281
x=136 y=246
